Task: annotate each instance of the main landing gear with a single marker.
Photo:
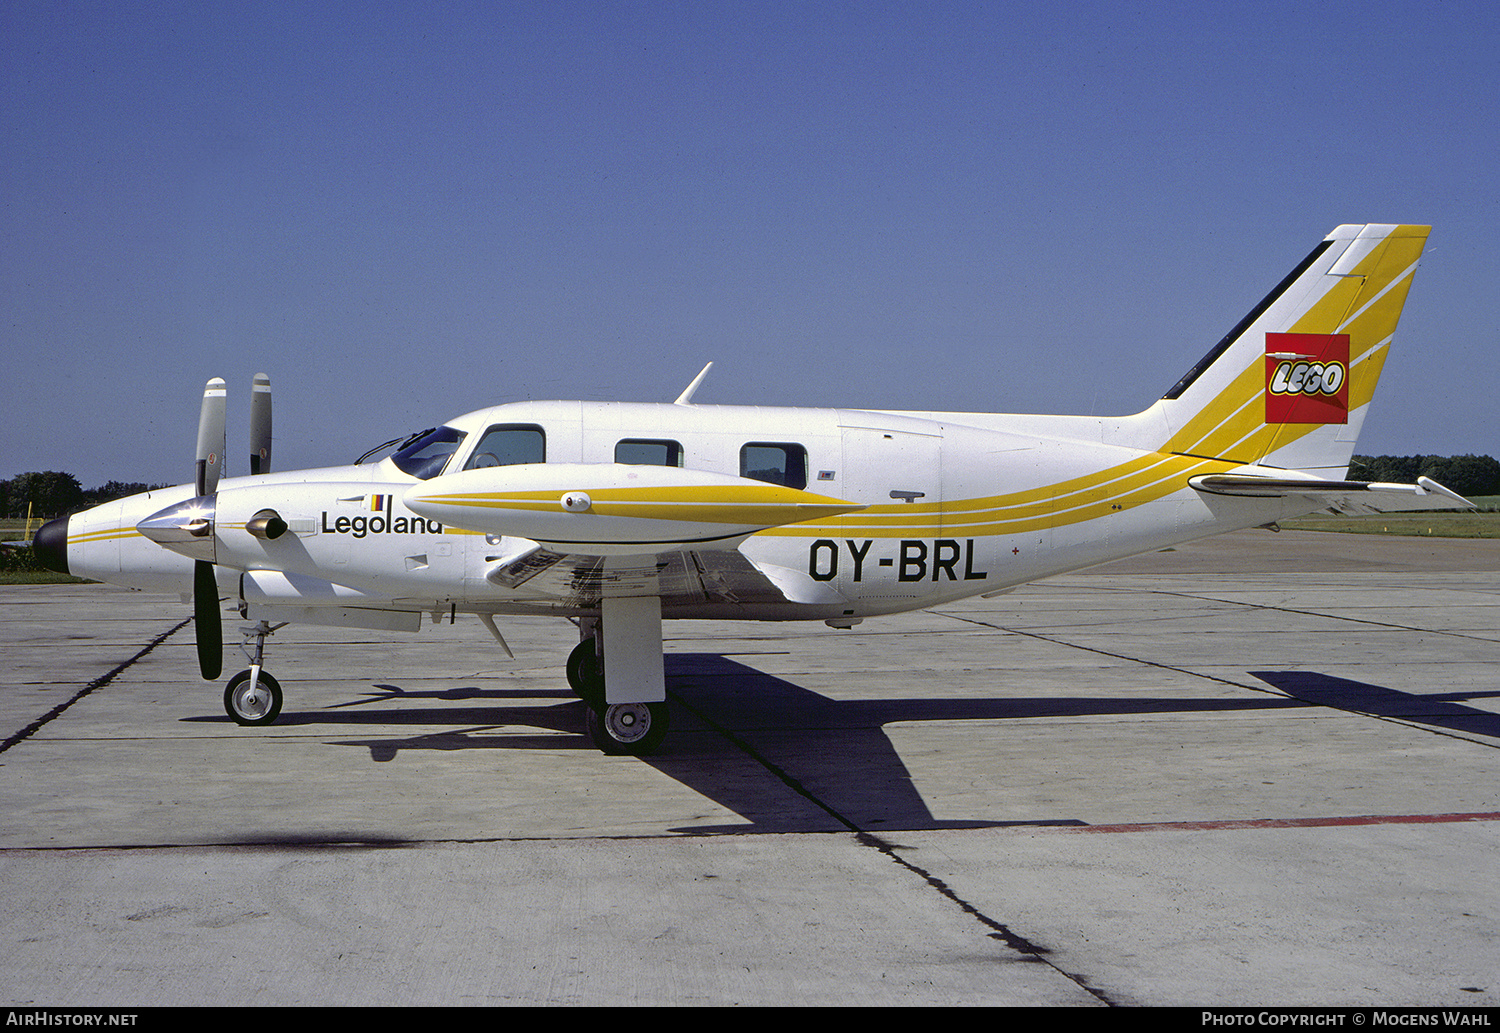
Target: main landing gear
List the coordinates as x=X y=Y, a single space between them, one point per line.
x=634 y=729
x=253 y=697
x=629 y=726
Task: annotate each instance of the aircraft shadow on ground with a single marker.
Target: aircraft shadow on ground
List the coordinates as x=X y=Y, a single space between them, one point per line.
x=1440 y=710
x=781 y=756
x=788 y=759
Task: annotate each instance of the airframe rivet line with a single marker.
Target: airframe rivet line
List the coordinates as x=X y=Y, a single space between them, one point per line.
x=97 y=683
x=1000 y=931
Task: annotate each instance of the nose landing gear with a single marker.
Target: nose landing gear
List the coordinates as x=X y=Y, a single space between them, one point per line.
x=253 y=697
x=253 y=702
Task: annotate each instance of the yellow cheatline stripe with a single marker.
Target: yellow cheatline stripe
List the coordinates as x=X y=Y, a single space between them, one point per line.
x=749 y=515
x=1097 y=487
x=1166 y=475
x=721 y=504
x=103 y=535
x=1388 y=264
x=677 y=494
x=1101 y=488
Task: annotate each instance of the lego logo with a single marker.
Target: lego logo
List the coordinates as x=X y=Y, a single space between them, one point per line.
x=1307 y=378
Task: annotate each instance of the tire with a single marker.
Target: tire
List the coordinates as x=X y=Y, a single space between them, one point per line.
x=584 y=677
x=631 y=729
x=246 y=706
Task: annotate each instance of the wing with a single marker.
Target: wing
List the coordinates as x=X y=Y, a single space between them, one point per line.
x=682 y=578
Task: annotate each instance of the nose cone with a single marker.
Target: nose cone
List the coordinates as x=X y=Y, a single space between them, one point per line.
x=51 y=545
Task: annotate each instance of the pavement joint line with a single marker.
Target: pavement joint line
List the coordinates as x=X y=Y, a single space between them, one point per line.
x=1232 y=824
x=1117 y=656
x=999 y=931
x=97 y=683
x=1421 y=726
x=1293 y=609
x=866 y=839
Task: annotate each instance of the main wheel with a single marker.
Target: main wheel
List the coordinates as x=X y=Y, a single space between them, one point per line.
x=636 y=729
x=257 y=704
x=584 y=676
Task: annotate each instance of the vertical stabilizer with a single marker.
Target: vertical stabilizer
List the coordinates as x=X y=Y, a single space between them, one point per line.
x=1290 y=385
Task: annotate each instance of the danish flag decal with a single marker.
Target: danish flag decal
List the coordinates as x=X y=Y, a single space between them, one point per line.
x=1307 y=378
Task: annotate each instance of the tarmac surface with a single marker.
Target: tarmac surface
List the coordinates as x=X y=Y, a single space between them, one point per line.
x=1262 y=770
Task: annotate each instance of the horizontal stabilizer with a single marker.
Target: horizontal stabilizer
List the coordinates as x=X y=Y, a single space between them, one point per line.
x=1343 y=496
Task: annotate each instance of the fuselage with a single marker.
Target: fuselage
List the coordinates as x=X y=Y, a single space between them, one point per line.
x=951 y=505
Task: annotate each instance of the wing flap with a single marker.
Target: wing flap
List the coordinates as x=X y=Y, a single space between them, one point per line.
x=679 y=577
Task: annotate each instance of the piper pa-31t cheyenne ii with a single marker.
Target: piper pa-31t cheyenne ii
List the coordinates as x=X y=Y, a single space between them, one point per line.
x=619 y=516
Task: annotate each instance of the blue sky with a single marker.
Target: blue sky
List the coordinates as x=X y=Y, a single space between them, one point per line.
x=406 y=212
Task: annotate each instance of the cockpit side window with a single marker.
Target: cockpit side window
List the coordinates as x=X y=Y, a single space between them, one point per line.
x=644 y=452
x=775 y=463
x=425 y=457
x=509 y=444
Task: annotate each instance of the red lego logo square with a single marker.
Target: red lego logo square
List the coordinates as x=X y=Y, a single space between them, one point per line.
x=1307 y=378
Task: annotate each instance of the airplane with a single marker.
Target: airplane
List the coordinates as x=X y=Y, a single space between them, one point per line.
x=619 y=516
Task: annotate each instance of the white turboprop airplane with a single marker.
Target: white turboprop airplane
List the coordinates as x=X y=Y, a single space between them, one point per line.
x=620 y=515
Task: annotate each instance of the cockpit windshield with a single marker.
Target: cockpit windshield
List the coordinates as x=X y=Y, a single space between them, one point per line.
x=425 y=455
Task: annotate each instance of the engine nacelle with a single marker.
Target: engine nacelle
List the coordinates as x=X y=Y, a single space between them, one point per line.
x=603 y=508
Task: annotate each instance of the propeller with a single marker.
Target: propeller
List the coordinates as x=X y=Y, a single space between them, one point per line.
x=208 y=623
x=188 y=527
x=210 y=462
x=260 y=425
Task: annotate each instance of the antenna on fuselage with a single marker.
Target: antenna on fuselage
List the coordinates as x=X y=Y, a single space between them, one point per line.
x=686 y=398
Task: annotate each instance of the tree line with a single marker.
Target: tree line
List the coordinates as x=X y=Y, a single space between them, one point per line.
x=51 y=493
x=1467 y=475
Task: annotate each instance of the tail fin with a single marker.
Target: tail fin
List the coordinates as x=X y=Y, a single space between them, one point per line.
x=1290 y=385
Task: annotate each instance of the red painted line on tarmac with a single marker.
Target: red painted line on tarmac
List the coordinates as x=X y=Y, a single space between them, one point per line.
x=1285 y=823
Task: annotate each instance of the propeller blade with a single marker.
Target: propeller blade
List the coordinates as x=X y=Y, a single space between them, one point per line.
x=207 y=621
x=210 y=438
x=260 y=425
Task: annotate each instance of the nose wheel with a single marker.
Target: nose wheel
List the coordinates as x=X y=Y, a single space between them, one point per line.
x=252 y=698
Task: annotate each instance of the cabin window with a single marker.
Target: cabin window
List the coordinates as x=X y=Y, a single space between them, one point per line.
x=774 y=463
x=644 y=452
x=509 y=445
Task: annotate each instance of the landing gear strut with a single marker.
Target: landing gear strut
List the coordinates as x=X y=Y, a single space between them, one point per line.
x=631 y=727
x=253 y=697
